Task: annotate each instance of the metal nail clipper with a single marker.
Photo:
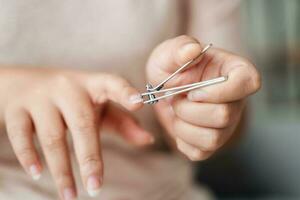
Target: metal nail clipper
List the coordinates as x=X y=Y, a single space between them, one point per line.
x=150 y=97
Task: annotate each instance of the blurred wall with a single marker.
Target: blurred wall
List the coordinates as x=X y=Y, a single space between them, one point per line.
x=271 y=149
x=267 y=161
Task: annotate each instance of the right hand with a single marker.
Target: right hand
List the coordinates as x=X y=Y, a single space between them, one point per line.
x=203 y=120
x=48 y=102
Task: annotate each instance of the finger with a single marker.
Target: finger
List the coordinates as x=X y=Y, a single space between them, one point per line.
x=125 y=125
x=206 y=139
x=192 y=152
x=168 y=56
x=165 y=115
x=20 y=132
x=51 y=132
x=243 y=80
x=105 y=87
x=79 y=115
x=208 y=114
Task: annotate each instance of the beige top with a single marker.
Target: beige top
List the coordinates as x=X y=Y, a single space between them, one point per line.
x=115 y=36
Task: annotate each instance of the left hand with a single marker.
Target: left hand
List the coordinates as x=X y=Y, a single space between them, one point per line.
x=203 y=120
x=47 y=102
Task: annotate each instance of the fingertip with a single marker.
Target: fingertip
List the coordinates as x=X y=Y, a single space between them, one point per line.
x=151 y=140
x=134 y=103
x=141 y=137
x=135 y=99
x=69 y=193
x=129 y=128
x=191 y=152
x=189 y=51
x=132 y=100
x=35 y=171
x=148 y=138
x=94 y=184
x=256 y=81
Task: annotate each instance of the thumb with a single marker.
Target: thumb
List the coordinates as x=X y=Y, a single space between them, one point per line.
x=243 y=80
x=168 y=56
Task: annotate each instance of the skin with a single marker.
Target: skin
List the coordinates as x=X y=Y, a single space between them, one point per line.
x=46 y=103
x=203 y=120
x=51 y=103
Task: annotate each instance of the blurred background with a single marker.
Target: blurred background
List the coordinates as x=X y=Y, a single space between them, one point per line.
x=266 y=162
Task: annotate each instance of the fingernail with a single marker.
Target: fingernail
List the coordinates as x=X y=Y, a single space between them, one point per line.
x=69 y=194
x=93 y=186
x=189 y=47
x=197 y=95
x=35 y=172
x=134 y=99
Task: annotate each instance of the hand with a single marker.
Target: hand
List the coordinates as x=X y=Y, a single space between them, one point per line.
x=50 y=101
x=201 y=121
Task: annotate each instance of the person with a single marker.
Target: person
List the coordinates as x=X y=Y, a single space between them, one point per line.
x=47 y=92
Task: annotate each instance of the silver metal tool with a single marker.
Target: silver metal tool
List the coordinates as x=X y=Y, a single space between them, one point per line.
x=152 y=91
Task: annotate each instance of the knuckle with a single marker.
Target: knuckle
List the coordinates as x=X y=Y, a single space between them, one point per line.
x=214 y=141
x=61 y=83
x=91 y=162
x=15 y=130
x=25 y=153
x=116 y=79
x=177 y=128
x=19 y=127
x=63 y=176
x=54 y=141
x=223 y=116
x=61 y=79
x=85 y=121
x=197 y=155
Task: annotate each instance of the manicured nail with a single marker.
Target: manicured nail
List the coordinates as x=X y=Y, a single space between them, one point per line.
x=135 y=99
x=197 y=95
x=93 y=186
x=69 y=194
x=35 y=172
